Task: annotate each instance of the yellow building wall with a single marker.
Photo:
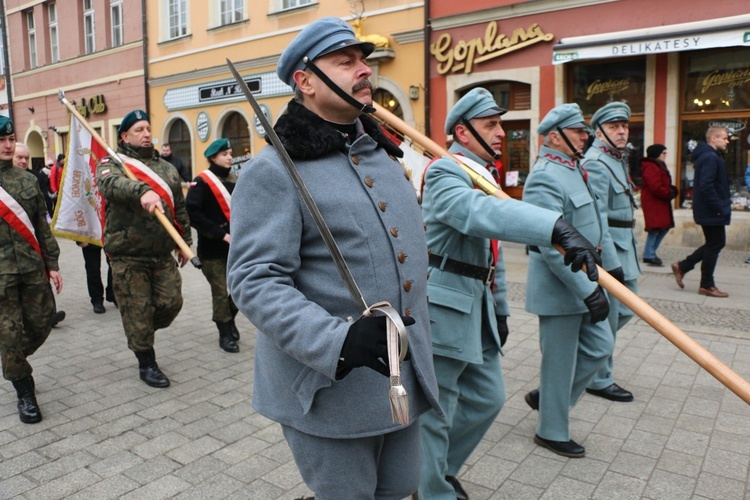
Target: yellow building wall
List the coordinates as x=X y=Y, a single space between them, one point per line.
x=177 y=67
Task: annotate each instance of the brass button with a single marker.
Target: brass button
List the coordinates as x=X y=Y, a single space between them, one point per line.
x=406 y=312
x=355 y=160
x=394 y=232
x=368 y=181
x=407 y=285
x=382 y=206
x=401 y=257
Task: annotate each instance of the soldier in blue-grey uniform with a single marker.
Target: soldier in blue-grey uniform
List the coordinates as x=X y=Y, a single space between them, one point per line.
x=607 y=166
x=573 y=336
x=317 y=360
x=466 y=287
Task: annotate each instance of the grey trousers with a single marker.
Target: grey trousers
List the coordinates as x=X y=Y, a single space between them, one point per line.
x=385 y=466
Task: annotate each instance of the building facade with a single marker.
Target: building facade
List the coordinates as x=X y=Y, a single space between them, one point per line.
x=193 y=96
x=91 y=49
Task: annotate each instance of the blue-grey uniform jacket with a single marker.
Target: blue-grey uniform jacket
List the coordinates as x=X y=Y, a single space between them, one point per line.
x=460 y=221
x=283 y=279
x=608 y=176
x=557 y=184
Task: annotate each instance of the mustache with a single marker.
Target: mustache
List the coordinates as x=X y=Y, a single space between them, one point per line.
x=364 y=84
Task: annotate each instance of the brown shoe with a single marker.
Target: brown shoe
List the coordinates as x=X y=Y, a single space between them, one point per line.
x=713 y=292
x=678 y=275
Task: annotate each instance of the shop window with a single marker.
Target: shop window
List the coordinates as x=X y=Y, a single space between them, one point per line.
x=513 y=96
x=237 y=130
x=388 y=101
x=179 y=140
x=592 y=85
x=717 y=81
x=715 y=92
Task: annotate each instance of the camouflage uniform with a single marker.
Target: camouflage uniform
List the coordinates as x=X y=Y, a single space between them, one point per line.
x=26 y=301
x=147 y=283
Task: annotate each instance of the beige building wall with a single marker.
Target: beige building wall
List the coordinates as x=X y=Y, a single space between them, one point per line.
x=179 y=68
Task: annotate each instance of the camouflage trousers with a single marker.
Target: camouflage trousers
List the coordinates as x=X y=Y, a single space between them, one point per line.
x=148 y=291
x=215 y=271
x=26 y=310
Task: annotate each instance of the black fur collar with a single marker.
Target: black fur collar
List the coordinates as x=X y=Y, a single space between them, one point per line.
x=306 y=136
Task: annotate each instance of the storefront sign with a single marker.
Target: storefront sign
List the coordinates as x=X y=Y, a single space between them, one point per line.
x=607 y=86
x=258 y=125
x=202 y=125
x=93 y=106
x=733 y=126
x=575 y=48
x=222 y=91
x=731 y=78
x=466 y=53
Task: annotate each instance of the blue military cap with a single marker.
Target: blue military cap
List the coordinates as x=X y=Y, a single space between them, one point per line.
x=612 y=112
x=316 y=40
x=477 y=103
x=216 y=147
x=131 y=119
x=6 y=126
x=563 y=116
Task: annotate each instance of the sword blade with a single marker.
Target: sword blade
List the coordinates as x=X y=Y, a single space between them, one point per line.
x=325 y=232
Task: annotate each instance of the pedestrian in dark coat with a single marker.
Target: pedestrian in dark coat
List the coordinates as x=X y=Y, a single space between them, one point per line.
x=656 y=201
x=712 y=210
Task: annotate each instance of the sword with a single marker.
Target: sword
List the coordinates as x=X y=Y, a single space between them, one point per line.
x=395 y=330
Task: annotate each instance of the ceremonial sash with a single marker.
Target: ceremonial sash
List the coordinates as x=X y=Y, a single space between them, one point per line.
x=219 y=190
x=18 y=219
x=160 y=187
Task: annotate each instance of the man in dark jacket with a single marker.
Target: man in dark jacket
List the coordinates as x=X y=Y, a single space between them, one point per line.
x=176 y=161
x=712 y=210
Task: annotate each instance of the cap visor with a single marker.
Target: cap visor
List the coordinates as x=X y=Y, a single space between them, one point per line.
x=495 y=110
x=366 y=47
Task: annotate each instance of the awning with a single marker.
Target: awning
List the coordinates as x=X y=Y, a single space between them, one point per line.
x=723 y=32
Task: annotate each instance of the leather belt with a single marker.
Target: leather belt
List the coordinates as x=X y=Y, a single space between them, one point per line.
x=621 y=223
x=483 y=274
x=534 y=248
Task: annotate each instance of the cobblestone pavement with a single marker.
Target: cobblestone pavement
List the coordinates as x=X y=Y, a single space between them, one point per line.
x=105 y=434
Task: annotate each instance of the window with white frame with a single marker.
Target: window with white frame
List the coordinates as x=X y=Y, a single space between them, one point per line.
x=54 y=38
x=177 y=17
x=115 y=11
x=230 y=11
x=89 y=35
x=31 y=35
x=290 y=4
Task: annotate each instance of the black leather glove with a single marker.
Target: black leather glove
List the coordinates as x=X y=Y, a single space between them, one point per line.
x=618 y=274
x=366 y=344
x=502 y=329
x=598 y=305
x=578 y=250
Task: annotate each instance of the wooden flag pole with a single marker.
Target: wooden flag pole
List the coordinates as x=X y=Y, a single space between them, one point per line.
x=680 y=339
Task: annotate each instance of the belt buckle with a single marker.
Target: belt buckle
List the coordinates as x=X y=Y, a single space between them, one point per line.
x=490 y=276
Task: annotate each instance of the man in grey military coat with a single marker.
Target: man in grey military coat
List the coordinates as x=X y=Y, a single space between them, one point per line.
x=317 y=362
x=607 y=166
x=573 y=336
x=469 y=315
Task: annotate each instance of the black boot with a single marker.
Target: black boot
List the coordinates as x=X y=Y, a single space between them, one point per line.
x=226 y=339
x=235 y=331
x=99 y=306
x=149 y=370
x=28 y=409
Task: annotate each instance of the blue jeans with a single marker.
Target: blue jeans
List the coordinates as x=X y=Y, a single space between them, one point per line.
x=653 y=240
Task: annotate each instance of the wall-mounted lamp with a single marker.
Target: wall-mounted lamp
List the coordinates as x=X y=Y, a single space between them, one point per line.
x=52 y=128
x=413 y=92
x=31 y=109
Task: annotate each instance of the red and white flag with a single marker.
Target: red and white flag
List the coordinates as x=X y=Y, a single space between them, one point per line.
x=79 y=213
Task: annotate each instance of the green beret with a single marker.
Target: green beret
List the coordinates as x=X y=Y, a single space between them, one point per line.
x=6 y=126
x=216 y=147
x=477 y=103
x=131 y=119
x=612 y=112
x=319 y=38
x=562 y=116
